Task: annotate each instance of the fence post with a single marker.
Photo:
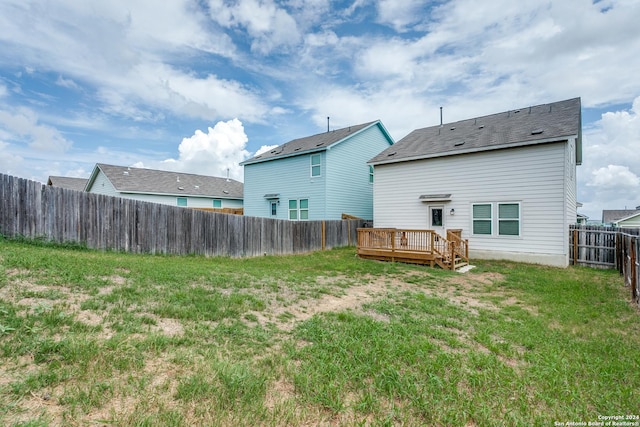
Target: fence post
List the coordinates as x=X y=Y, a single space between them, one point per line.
x=575 y=246
x=324 y=229
x=634 y=278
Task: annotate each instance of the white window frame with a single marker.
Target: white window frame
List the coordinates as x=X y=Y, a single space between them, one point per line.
x=495 y=220
x=370 y=174
x=316 y=166
x=474 y=219
x=273 y=208
x=499 y=219
x=298 y=211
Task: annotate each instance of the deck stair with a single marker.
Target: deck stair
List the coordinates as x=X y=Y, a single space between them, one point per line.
x=414 y=246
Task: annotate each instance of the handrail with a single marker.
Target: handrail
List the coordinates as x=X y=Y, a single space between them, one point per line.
x=397 y=243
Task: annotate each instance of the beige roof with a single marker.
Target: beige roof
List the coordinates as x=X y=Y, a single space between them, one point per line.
x=67 y=182
x=151 y=181
x=526 y=126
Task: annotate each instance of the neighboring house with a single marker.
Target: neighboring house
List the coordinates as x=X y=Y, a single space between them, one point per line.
x=506 y=180
x=317 y=177
x=623 y=218
x=169 y=188
x=582 y=219
x=77 y=184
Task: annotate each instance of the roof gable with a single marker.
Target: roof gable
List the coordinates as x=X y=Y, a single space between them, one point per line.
x=77 y=184
x=152 y=181
x=527 y=126
x=314 y=143
x=616 y=215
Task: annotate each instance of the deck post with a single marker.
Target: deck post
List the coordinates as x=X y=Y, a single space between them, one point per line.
x=393 y=245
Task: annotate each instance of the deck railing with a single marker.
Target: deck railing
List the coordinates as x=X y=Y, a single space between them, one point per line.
x=414 y=246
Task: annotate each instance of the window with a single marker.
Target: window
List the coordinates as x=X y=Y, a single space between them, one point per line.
x=436 y=217
x=217 y=203
x=274 y=208
x=315 y=165
x=370 y=174
x=508 y=219
x=299 y=209
x=482 y=219
x=182 y=201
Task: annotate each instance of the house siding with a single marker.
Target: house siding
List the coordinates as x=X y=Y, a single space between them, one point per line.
x=533 y=176
x=290 y=178
x=632 y=222
x=348 y=188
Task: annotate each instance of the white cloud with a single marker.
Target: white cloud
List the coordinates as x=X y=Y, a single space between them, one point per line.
x=214 y=153
x=269 y=26
x=264 y=149
x=24 y=126
x=400 y=14
x=68 y=83
x=9 y=164
x=609 y=177
x=614 y=177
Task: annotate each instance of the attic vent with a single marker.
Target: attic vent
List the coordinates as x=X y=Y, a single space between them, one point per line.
x=393 y=153
x=319 y=144
x=537 y=131
x=273 y=151
x=297 y=149
x=225 y=191
x=517 y=111
x=453 y=128
x=481 y=127
x=257 y=157
x=196 y=187
x=125 y=173
x=180 y=188
x=458 y=144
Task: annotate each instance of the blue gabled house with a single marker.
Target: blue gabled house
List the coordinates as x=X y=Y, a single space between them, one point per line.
x=316 y=177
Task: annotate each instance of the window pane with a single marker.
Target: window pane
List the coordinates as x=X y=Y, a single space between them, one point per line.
x=274 y=209
x=293 y=204
x=304 y=214
x=508 y=210
x=315 y=165
x=304 y=203
x=508 y=228
x=293 y=214
x=370 y=173
x=482 y=211
x=436 y=217
x=182 y=201
x=217 y=203
x=481 y=226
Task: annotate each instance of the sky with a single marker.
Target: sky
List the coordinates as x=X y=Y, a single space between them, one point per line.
x=200 y=85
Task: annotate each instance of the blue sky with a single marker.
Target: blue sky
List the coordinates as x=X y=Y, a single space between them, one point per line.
x=199 y=86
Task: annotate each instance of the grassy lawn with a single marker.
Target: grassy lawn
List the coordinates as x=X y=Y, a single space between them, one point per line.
x=93 y=338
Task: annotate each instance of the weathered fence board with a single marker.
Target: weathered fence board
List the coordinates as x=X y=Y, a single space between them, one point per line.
x=30 y=209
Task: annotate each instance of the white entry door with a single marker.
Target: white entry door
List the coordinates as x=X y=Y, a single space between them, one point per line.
x=436 y=219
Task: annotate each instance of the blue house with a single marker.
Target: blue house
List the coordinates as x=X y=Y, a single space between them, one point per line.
x=316 y=177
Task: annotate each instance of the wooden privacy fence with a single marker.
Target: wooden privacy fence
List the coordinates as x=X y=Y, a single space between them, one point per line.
x=608 y=247
x=32 y=210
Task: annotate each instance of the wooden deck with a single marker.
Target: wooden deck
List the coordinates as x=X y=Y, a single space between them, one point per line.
x=414 y=246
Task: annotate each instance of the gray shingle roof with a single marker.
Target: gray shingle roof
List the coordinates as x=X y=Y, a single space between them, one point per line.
x=151 y=181
x=526 y=126
x=308 y=144
x=611 y=215
x=77 y=184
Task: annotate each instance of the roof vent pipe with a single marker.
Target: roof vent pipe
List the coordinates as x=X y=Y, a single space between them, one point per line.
x=327 y=124
x=440 y=116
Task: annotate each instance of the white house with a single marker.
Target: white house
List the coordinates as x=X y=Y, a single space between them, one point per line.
x=507 y=180
x=169 y=188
